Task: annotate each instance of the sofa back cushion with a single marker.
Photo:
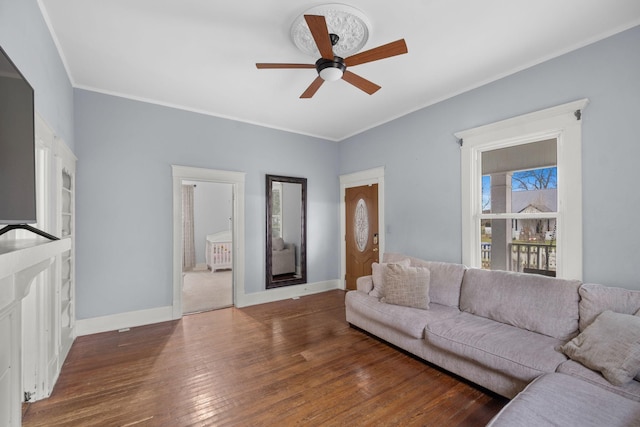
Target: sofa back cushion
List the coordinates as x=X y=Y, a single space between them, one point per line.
x=546 y=305
x=595 y=299
x=446 y=278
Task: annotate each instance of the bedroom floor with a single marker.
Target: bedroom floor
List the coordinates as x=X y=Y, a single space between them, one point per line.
x=203 y=290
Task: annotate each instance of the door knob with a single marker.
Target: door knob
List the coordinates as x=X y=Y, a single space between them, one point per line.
x=375 y=249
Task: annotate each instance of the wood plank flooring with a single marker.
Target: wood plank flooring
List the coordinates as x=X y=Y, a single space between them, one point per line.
x=293 y=362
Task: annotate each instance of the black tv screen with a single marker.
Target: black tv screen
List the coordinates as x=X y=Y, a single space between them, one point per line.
x=17 y=146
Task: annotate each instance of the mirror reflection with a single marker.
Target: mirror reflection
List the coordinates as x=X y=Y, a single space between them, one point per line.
x=286 y=262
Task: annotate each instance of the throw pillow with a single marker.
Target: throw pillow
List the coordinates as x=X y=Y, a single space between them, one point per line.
x=610 y=345
x=376 y=275
x=408 y=286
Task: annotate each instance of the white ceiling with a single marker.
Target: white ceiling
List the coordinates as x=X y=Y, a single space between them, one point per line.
x=200 y=55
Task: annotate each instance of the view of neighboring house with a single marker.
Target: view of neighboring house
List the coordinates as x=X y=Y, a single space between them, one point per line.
x=534 y=201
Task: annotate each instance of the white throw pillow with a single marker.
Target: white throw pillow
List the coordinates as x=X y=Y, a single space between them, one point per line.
x=610 y=345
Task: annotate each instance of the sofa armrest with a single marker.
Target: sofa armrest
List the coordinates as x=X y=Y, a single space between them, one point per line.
x=364 y=284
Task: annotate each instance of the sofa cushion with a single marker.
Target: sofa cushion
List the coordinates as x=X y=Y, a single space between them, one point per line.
x=408 y=286
x=516 y=352
x=562 y=400
x=594 y=299
x=546 y=305
x=377 y=270
x=610 y=345
x=446 y=278
x=406 y=320
x=630 y=390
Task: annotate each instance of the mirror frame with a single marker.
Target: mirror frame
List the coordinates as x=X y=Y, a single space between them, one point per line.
x=270 y=282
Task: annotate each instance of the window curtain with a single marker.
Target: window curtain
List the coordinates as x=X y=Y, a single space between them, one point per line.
x=188 y=243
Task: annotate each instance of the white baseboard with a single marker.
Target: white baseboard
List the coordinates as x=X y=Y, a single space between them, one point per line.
x=286 y=292
x=132 y=319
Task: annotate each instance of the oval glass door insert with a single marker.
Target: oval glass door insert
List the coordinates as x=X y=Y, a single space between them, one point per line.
x=361 y=225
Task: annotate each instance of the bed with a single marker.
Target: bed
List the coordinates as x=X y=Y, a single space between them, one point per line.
x=219 y=251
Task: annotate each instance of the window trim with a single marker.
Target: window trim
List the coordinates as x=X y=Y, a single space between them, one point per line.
x=564 y=123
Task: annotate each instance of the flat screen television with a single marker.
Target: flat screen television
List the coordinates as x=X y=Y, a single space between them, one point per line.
x=17 y=149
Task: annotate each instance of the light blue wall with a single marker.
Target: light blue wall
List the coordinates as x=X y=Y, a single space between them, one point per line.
x=124 y=196
x=125 y=149
x=26 y=39
x=422 y=159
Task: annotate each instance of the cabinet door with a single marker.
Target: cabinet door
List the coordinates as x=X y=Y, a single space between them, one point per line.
x=66 y=290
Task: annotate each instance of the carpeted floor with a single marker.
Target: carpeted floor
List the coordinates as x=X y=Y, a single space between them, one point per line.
x=203 y=290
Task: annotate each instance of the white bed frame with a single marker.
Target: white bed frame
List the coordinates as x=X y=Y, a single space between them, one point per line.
x=219 y=253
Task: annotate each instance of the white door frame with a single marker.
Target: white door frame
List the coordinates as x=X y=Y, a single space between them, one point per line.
x=236 y=179
x=357 y=179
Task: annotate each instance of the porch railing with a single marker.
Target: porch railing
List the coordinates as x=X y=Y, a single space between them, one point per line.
x=526 y=257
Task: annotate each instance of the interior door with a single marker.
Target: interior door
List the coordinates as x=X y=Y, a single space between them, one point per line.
x=362 y=250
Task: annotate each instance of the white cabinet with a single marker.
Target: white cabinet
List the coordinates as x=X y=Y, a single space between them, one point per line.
x=48 y=311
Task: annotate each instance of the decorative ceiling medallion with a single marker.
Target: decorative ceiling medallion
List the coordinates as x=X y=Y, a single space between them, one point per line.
x=350 y=24
x=361 y=225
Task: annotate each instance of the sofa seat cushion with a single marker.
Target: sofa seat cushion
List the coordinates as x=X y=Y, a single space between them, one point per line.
x=546 y=305
x=513 y=351
x=406 y=320
x=631 y=390
x=563 y=400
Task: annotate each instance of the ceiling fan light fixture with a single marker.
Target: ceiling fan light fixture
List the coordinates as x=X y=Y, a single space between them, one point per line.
x=331 y=74
x=330 y=71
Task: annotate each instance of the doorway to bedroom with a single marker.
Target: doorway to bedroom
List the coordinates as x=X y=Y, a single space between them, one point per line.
x=207 y=247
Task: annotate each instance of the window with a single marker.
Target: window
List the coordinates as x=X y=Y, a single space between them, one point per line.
x=510 y=221
x=276 y=210
x=519 y=208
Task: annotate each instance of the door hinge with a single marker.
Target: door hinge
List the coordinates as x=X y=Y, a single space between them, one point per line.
x=27 y=396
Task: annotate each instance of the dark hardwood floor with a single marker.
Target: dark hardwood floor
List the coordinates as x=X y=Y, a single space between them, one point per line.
x=294 y=362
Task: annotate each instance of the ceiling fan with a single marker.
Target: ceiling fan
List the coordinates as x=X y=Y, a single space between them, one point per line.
x=331 y=67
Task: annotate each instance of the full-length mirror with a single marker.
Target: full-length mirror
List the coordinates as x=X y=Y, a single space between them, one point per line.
x=286 y=256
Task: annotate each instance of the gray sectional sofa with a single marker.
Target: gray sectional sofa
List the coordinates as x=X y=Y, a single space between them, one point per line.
x=509 y=332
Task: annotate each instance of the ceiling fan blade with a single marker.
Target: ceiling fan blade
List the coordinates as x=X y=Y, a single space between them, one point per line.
x=313 y=88
x=263 y=65
x=360 y=82
x=397 y=47
x=318 y=27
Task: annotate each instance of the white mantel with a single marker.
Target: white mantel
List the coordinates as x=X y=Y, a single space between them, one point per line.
x=20 y=262
x=17 y=255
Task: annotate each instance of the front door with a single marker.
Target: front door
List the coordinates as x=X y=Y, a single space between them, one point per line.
x=362 y=232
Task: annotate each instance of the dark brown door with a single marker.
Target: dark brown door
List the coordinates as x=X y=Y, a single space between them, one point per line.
x=362 y=231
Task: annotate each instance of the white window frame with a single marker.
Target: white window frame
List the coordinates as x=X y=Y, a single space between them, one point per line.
x=564 y=123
